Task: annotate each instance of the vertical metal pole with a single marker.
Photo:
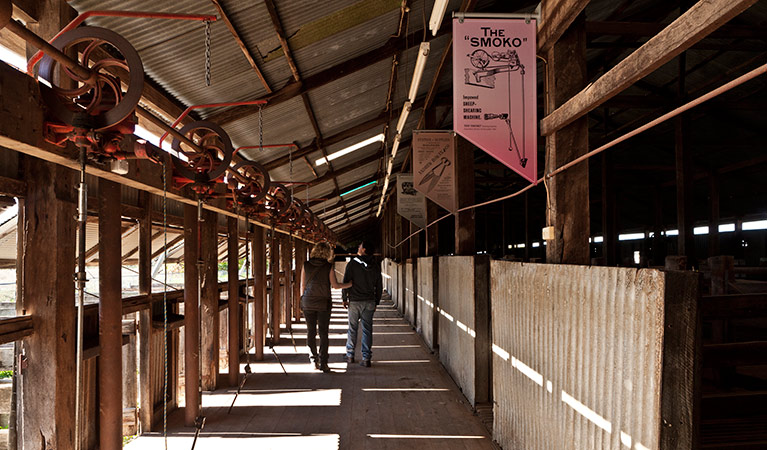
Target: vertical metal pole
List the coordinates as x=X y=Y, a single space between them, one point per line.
x=80 y=278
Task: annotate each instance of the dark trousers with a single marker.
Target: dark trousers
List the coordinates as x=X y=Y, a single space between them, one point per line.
x=313 y=320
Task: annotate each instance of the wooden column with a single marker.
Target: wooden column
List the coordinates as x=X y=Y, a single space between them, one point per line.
x=191 y=317
x=713 y=217
x=209 y=330
x=48 y=381
x=528 y=242
x=258 y=258
x=274 y=307
x=233 y=251
x=568 y=191
x=110 y=317
x=658 y=240
x=146 y=402
x=287 y=292
x=464 y=180
x=684 y=175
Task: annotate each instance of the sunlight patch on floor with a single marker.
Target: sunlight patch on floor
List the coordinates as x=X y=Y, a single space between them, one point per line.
x=254 y=397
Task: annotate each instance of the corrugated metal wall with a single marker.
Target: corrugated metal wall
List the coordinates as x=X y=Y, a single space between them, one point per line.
x=577 y=357
x=426 y=300
x=409 y=294
x=456 y=338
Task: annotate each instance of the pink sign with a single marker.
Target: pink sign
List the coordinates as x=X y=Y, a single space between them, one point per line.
x=494 y=83
x=434 y=166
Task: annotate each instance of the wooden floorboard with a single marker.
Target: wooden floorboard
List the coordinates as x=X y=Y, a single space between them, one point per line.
x=404 y=401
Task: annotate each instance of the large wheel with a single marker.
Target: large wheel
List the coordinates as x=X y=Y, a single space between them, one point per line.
x=214 y=158
x=250 y=182
x=99 y=102
x=278 y=201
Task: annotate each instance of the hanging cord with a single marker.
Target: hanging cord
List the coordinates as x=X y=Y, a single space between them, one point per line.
x=80 y=279
x=199 y=422
x=165 y=305
x=207 y=53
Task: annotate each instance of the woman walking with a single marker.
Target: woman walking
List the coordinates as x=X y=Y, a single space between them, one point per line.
x=316 y=280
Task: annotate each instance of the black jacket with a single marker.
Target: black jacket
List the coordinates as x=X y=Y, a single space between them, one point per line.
x=316 y=296
x=365 y=275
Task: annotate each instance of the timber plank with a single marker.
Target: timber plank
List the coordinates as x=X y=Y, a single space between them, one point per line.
x=692 y=26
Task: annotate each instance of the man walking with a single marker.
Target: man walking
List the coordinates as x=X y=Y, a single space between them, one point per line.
x=361 y=300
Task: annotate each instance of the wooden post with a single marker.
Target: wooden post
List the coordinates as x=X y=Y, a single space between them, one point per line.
x=210 y=311
x=414 y=253
x=568 y=191
x=48 y=381
x=233 y=251
x=146 y=401
x=528 y=241
x=258 y=255
x=191 y=317
x=110 y=317
x=274 y=309
x=658 y=240
x=287 y=259
x=464 y=184
x=683 y=155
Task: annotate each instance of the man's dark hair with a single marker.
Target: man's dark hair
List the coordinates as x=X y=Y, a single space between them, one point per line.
x=368 y=246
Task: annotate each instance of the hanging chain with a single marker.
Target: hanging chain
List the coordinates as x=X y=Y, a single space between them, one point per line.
x=260 y=127
x=290 y=161
x=165 y=305
x=207 y=52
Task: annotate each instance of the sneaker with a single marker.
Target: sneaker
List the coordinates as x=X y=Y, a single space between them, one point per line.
x=316 y=362
x=365 y=363
x=349 y=359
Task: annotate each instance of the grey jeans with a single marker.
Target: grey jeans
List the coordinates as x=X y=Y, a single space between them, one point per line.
x=361 y=311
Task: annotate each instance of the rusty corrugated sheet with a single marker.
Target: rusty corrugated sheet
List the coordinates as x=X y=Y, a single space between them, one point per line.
x=577 y=356
x=409 y=293
x=456 y=337
x=425 y=300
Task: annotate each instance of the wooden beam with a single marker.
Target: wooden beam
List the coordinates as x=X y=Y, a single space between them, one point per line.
x=210 y=325
x=245 y=51
x=556 y=17
x=191 y=318
x=643 y=29
x=14 y=328
x=233 y=301
x=12 y=187
x=49 y=298
x=258 y=250
x=338 y=172
x=110 y=318
x=146 y=406
x=569 y=191
x=281 y=36
x=695 y=24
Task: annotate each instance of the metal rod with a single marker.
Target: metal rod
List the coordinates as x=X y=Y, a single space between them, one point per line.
x=168 y=129
x=209 y=105
x=80 y=278
x=31 y=38
x=136 y=14
x=481 y=15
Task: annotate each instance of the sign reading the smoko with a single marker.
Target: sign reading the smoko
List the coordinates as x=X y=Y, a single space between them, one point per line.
x=411 y=204
x=494 y=103
x=434 y=166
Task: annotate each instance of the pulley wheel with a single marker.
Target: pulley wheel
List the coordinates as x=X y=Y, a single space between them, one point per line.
x=251 y=180
x=279 y=202
x=99 y=102
x=214 y=158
